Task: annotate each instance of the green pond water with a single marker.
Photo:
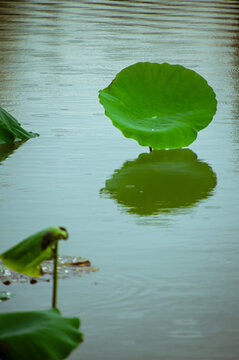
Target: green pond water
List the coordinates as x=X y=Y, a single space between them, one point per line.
x=162 y=227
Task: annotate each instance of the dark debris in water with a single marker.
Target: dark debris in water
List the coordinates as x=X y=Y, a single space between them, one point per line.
x=68 y=266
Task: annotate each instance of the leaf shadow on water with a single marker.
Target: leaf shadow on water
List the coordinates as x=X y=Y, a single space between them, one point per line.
x=161 y=181
x=7 y=149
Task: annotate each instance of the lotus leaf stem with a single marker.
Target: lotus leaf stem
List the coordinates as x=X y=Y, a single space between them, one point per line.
x=55 y=275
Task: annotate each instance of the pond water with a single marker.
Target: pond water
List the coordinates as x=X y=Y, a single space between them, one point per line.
x=168 y=256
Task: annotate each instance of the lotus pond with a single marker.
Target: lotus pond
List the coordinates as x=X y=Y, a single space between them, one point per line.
x=162 y=227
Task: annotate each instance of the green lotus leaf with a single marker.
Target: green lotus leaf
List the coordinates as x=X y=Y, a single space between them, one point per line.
x=161 y=181
x=38 y=335
x=11 y=130
x=26 y=257
x=159 y=105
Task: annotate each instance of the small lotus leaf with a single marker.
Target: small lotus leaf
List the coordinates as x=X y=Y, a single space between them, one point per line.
x=26 y=257
x=11 y=130
x=159 y=105
x=38 y=335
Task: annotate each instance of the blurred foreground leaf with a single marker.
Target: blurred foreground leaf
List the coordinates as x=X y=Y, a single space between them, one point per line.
x=38 y=335
x=11 y=130
x=26 y=257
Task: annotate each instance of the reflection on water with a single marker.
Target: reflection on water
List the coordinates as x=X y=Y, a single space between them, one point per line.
x=8 y=149
x=162 y=180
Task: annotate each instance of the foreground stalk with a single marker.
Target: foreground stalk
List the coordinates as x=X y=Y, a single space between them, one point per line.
x=55 y=275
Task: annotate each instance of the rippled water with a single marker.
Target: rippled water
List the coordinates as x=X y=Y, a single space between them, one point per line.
x=168 y=281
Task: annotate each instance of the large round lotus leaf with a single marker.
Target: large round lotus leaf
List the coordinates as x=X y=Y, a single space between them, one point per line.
x=161 y=181
x=159 y=105
x=38 y=335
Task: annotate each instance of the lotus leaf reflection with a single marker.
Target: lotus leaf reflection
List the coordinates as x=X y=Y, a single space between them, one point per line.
x=161 y=181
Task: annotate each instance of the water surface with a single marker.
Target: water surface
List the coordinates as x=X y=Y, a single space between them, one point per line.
x=168 y=281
